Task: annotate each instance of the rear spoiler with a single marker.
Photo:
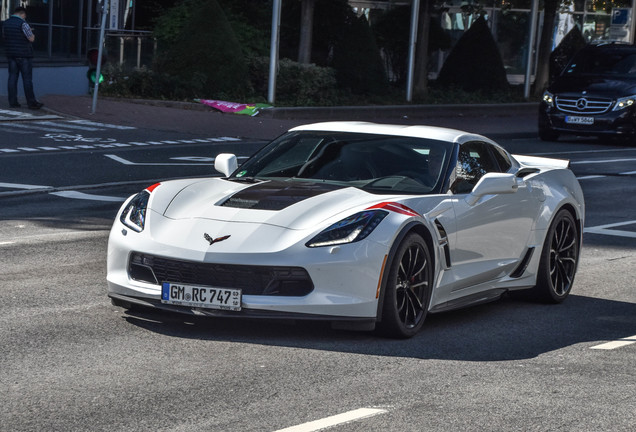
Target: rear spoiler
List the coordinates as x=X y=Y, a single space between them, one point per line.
x=541 y=162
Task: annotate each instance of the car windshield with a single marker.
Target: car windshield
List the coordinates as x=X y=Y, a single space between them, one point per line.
x=611 y=62
x=375 y=163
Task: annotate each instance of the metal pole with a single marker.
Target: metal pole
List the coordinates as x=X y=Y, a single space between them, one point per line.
x=100 y=50
x=534 y=13
x=49 y=48
x=273 y=52
x=415 y=13
x=79 y=27
x=632 y=36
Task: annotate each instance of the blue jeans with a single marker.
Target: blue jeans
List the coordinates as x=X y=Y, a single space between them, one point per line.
x=23 y=66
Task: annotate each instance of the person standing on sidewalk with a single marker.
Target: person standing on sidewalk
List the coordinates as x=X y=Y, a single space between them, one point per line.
x=18 y=41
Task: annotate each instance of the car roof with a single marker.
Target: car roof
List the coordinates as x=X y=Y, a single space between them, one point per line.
x=430 y=132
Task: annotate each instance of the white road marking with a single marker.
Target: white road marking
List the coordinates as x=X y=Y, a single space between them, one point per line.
x=584 y=152
x=105 y=145
x=23 y=186
x=68 y=126
x=590 y=177
x=85 y=196
x=616 y=344
x=6 y=243
x=106 y=125
x=339 y=419
x=127 y=162
x=606 y=229
x=602 y=161
x=32 y=127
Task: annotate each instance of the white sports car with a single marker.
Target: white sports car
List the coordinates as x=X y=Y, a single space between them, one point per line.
x=362 y=224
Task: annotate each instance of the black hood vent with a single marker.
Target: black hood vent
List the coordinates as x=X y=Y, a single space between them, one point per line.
x=277 y=195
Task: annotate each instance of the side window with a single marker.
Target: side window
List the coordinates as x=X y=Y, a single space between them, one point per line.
x=502 y=159
x=473 y=161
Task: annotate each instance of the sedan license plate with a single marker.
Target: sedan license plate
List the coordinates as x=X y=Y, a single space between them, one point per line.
x=201 y=296
x=579 y=120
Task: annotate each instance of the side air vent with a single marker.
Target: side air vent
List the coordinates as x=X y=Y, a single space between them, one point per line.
x=523 y=265
x=443 y=242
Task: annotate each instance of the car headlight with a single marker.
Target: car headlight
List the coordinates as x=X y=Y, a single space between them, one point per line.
x=349 y=230
x=548 y=98
x=622 y=103
x=134 y=214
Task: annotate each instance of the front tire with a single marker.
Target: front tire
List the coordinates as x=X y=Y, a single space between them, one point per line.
x=559 y=260
x=407 y=291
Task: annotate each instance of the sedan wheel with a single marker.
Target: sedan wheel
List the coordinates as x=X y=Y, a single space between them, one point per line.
x=408 y=289
x=558 y=259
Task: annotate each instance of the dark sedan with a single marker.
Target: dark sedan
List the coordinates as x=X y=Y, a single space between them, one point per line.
x=594 y=95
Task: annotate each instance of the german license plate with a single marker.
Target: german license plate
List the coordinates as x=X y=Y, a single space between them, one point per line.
x=201 y=296
x=579 y=120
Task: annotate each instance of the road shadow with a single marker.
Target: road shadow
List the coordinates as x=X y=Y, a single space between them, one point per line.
x=498 y=331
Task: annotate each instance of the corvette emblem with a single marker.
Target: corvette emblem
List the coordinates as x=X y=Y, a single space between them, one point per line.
x=214 y=240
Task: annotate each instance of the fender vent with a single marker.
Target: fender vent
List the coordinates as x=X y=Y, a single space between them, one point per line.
x=523 y=265
x=443 y=242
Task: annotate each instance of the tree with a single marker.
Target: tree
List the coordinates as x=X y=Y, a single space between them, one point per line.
x=475 y=62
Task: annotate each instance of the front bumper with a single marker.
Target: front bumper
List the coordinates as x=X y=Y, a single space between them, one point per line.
x=345 y=278
x=619 y=123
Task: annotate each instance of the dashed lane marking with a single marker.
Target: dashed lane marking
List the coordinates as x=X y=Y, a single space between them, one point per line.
x=616 y=344
x=97 y=145
x=336 y=420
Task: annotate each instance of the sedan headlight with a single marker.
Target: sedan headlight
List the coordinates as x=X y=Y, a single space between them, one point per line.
x=548 y=98
x=349 y=230
x=624 y=102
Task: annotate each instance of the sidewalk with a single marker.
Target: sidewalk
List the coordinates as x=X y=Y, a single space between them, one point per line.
x=489 y=120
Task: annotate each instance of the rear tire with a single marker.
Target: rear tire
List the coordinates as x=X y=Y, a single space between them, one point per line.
x=407 y=291
x=559 y=260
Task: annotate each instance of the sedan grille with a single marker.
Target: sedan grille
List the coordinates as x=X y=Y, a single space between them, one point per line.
x=583 y=105
x=252 y=280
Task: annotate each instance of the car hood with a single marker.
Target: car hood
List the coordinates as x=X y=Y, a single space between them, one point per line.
x=287 y=204
x=601 y=86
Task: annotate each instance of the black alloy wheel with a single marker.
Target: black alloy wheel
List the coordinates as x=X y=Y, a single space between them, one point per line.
x=408 y=289
x=559 y=259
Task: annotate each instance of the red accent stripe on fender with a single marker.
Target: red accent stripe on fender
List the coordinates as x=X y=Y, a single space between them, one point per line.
x=395 y=207
x=153 y=187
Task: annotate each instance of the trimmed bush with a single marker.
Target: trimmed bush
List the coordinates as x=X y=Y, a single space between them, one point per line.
x=296 y=84
x=475 y=62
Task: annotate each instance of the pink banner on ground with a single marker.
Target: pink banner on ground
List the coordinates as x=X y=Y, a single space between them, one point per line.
x=234 y=107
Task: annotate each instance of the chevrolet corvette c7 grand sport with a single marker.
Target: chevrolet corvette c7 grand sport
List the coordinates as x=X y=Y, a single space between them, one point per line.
x=365 y=225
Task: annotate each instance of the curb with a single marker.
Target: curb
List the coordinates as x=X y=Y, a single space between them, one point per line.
x=363 y=111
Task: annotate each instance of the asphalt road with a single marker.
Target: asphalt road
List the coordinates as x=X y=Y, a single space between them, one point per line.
x=71 y=361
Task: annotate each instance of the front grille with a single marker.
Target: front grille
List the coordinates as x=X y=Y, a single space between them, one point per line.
x=583 y=105
x=252 y=280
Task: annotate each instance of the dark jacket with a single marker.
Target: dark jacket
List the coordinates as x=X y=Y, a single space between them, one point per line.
x=15 y=42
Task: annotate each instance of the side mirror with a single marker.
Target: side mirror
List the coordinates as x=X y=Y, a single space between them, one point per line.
x=225 y=163
x=491 y=184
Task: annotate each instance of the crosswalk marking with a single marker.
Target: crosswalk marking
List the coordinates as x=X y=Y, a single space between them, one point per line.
x=91 y=145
